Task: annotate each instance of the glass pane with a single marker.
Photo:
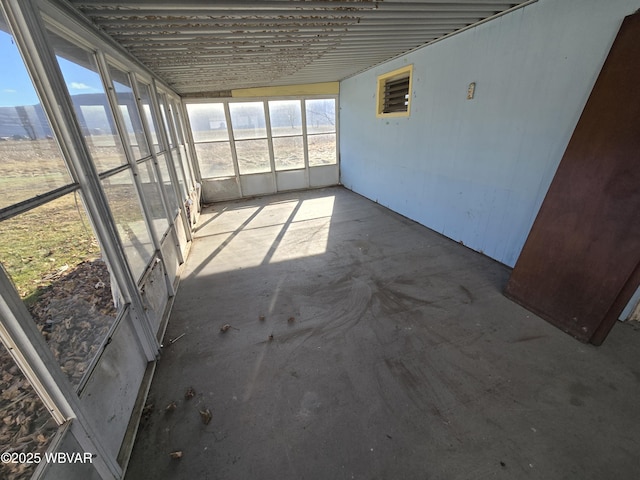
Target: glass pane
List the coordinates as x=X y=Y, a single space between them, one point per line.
x=288 y=153
x=322 y=149
x=53 y=258
x=27 y=427
x=177 y=162
x=165 y=119
x=26 y=138
x=166 y=183
x=321 y=115
x=125 y=207
x=208 y=122
x=153 y=197
x=177 y=122
x=186 y=165
x=247 y=120
x=129 y=110
x=286 y=117
x=253 y=156
x=215 y=159
x=80 y=73
x=148 y=112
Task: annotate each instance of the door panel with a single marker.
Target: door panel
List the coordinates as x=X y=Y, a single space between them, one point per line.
x=579 y=260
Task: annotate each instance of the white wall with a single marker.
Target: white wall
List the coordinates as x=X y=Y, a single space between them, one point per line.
x=478 y=170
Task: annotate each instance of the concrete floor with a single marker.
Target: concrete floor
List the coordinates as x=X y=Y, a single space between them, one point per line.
x=394 y=356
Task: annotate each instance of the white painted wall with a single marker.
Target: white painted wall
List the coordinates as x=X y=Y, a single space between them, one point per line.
x=478 y=170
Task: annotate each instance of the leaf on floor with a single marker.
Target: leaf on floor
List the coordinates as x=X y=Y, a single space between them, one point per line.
x=206 y=416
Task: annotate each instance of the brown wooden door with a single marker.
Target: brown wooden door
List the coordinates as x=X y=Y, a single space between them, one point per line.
x=579 y=265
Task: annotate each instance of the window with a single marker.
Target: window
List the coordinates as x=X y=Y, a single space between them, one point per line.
x=250 y=133
x=82 y=77
x=321 y=131
x=286 y=132
x=394 y=93
x=54 y=261
x=26 y=139
x=238 y=140
x=129 y=111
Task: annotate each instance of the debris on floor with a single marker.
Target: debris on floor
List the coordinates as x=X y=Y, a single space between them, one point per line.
x=190 y=393
x=206 y=416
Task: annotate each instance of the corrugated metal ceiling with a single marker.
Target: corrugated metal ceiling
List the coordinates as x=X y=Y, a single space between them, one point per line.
x=203 y=46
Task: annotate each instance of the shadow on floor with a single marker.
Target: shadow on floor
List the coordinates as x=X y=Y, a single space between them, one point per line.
x=363 y=345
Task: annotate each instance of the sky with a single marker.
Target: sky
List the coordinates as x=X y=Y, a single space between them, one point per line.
x=15 y=84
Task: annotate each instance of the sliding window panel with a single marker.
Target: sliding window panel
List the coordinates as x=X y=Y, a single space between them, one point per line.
x=214 y=159
x=54 y=261
x=129 y=110
x=179 y=168
x=164 y=113
x=31 y=163
x=151 y=190
x=285 y=117
x=288 y=153
x=127 y=212
x=211 y=139
x=148 y=111
x=322 y=149
x=248 y=120
x=208 y=122
x=80 y=71
x=321 y=115
x=167 y=185
x=253 y=156
x=183 y=156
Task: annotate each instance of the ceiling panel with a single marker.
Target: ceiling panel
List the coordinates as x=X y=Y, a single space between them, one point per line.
x=204 y=46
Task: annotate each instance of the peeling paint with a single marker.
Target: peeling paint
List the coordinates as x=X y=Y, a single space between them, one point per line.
x=239 y=43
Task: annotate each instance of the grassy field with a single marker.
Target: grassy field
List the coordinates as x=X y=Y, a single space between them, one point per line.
x=37 y=244
x=40 y=242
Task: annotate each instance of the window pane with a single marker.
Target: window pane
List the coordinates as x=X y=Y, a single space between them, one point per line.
x=215 y=159
x=177 y=162
x=177 y=122
x=288 y=153
x=247 y=120
x=321 y=115
x=167 y=185
x=153 y=197
x=53 y=258
x=253 y=156
x=26 y=138
x=286 y=117
x=27 y=427
x=129 y=110
x=322 y=149
x=186 y=165
x=125 y=207
x=83 y=81
x=165 y=119
x=149 y=113
x=208 y=122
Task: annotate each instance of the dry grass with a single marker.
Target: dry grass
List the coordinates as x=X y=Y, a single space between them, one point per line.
x=253 y=156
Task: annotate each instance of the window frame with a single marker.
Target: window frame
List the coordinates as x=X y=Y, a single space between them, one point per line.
x=406 y=71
